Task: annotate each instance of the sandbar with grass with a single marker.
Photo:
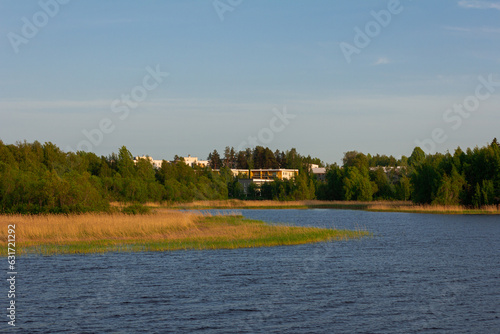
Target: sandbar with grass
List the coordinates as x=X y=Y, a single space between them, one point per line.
x=163 y=230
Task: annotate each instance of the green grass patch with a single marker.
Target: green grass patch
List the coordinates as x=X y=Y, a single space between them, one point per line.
x=136 y=209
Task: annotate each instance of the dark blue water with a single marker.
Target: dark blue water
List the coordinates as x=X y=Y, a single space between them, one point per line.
x=418 y=274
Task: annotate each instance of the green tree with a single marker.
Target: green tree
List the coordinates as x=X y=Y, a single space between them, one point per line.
x=451 y=189
x=214 y=160
x=335 y=183
x=487 y=192
x=425 y=182
x=355 y=159
x=385 y=188
x=417 y=157
x=229 y=157
x=241 y=160
x=125 y=163
x=145 y=171
x=403 y=188
x=303 y=188
x=357 y=185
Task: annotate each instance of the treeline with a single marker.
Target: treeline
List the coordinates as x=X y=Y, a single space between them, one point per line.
x=40 y=178
x=470 y=178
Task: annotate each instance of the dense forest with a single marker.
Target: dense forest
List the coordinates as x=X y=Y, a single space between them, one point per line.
x=41 y=178
x=470 y=178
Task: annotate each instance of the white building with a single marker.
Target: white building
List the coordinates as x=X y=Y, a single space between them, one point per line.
x=155 y=163
x=264 y=174
x=190 y=161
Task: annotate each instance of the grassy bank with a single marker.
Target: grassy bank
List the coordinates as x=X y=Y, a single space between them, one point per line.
x=161 y=231
x=265 y=204
x=382 y=206
x=435 y=209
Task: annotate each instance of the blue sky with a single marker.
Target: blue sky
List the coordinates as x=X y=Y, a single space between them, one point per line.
x=229 y=78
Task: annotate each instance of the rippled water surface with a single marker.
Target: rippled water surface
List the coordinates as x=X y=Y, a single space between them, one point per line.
x=419 y=273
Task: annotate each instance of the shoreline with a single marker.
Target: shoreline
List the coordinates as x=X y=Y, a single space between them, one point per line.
x=163 y=230
x=374 y=206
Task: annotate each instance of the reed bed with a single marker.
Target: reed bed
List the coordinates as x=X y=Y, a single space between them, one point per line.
x=389 y=206
x=238 y=204
x=263 y=204
x=441 y=209
x=163 y=230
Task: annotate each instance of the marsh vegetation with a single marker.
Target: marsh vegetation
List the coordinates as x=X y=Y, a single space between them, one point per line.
x=159 y=231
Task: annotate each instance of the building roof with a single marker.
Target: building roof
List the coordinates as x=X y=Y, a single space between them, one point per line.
x=320 y=170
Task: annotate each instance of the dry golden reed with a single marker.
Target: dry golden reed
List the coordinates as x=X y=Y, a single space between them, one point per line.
x=401 y=206
x=163 y=230
x=95 y=225
x=434 y=208
x=239 y=204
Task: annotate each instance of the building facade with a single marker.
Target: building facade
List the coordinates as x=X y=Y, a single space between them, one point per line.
x=155 y=163
x=263 y=174
x=260 y=176
x=193 y=161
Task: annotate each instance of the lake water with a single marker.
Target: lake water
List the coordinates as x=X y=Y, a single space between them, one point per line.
x=419 y=273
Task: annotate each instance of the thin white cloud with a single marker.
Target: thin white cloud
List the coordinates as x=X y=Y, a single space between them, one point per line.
x=382 y=61
x=479 y=4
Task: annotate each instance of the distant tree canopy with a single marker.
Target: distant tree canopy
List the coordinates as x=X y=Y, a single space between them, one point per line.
x=36 y=178
x=470 y=178
x=40 y=178
x=261 y=158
